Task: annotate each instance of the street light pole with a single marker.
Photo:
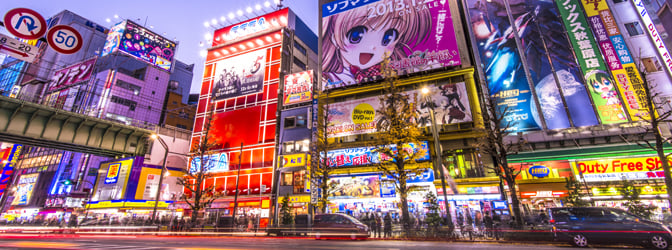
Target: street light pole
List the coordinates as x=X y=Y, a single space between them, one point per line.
x=437 y=151
x=163 y=169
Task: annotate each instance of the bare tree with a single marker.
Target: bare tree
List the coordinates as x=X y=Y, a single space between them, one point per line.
x=321 y=172
x=199 y=195
x=497 y=128
x=652 y=123
x=396 y=131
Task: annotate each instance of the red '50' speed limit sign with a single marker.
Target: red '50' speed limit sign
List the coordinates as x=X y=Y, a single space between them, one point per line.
x=64 y=39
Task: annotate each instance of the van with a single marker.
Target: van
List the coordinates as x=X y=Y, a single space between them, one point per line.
x=586 y=225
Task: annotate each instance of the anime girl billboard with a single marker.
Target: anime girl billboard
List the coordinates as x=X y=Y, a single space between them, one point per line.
x=356 y=36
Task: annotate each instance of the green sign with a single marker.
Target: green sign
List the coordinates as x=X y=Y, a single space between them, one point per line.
x=601 y=86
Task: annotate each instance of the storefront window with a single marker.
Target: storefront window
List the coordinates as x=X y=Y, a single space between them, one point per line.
x=286 y=179
x=464 y=163
x=299 y=186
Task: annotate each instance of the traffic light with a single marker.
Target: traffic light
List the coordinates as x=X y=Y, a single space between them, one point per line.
x=67 y=182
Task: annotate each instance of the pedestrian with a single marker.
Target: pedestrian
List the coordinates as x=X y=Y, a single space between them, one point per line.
x=370 y=220
x=379 y=225
x=488 y=223
x=388 y=225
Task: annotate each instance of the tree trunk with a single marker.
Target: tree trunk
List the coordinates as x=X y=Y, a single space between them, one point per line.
x=405 y=215
x=194 y=215
x=325 y=193
x=515 y=203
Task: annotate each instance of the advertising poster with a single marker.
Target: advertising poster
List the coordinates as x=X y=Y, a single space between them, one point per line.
x=239 y=75
x=620 y=62
x=214 y=163
x=76 y=73
x=298 y=88
x=113 y=39
x=601 y=85
x=504 y=72
x=355 y=187
x=351 y=157
x=450 y=103
x=24 y=189
x=141 y=43
x=112 y=182
x=356 y=35
x=551 y=64
x=655 y=36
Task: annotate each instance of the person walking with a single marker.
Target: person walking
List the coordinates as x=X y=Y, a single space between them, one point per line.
x=379 y=224
x=388 y=225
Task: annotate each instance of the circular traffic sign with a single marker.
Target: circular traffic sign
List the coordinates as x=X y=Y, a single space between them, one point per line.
x=25 y=23
x=64 y=39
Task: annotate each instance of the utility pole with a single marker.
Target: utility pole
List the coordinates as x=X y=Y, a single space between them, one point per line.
x=235 y=199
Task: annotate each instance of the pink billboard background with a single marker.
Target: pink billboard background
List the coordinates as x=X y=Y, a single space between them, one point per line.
x=357 y=35
x=76 y=73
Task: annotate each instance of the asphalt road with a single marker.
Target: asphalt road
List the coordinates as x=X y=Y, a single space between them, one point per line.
x=120 y=242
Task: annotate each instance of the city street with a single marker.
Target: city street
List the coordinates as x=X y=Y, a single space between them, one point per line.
x=152 y=242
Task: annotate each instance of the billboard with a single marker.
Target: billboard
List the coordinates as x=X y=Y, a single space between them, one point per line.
x=298 y=88
x=76 y=73
x=640 y=168
x=258 y=25
x=113 y=179
x=11 y=155
x=542 y=88
x=360 y=116
x=601 y=85
x=141 y=43
x=618 y=57
x=417 y=36
x=351 y=157
x=239 y=75
x=355 y=187
x=215 y=163
x=655 y=36
x=24 y=189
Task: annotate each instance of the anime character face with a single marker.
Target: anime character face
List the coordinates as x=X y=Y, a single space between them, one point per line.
x=366 y=46
x=602 y=85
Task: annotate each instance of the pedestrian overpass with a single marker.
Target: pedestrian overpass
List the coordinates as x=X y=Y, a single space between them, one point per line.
x=33 y=124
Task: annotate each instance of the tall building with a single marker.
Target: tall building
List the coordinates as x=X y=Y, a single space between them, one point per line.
x=571 y=72
x=427 y=46
x=243 y=77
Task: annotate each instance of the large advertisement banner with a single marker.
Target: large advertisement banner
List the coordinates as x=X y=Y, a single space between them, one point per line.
x=641 y=168
x=298 y=88
x=24 y=189
x=654 y=35
x=618 y=58
x=506 y=77
x=351 y=157
x=141 y=43
x=600 y=84
x=11 y=155
x=357 y=35
x=76 y=73
x=239 y=75
x=450 y=102
x=113 y=180
x=355 y=187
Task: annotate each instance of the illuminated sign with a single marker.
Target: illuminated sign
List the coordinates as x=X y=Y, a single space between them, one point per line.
x=350 y=157
x=298 y=88
x=257 y=25
x=11 y=155
x=213 y=163
x=655 y=36
x=76 y=73
x=499 y=205
x=357 y=35
x=127 y=203
x=539 y=171
x=641 y=168
x=24 y=189
x=360 y=116
x=355 y=187
x=239 y=75
x=137 y=41
x=112 y=173
x=295 y=160
x=543 y=194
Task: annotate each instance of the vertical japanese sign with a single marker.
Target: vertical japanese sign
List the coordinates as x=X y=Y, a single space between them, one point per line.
x=600 y=84
x=655 y=36
x=618 y=58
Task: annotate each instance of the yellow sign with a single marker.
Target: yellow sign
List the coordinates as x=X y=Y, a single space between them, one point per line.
x=296 y=199
x=295 y=160
x=646 y=190
x=363 y=113
x=619 y=165
x=126 y=204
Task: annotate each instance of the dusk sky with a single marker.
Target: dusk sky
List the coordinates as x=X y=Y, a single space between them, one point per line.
x=179 y=20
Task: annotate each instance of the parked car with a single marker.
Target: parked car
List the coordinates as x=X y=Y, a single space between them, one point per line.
x=583 y=225
x=339 y=225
